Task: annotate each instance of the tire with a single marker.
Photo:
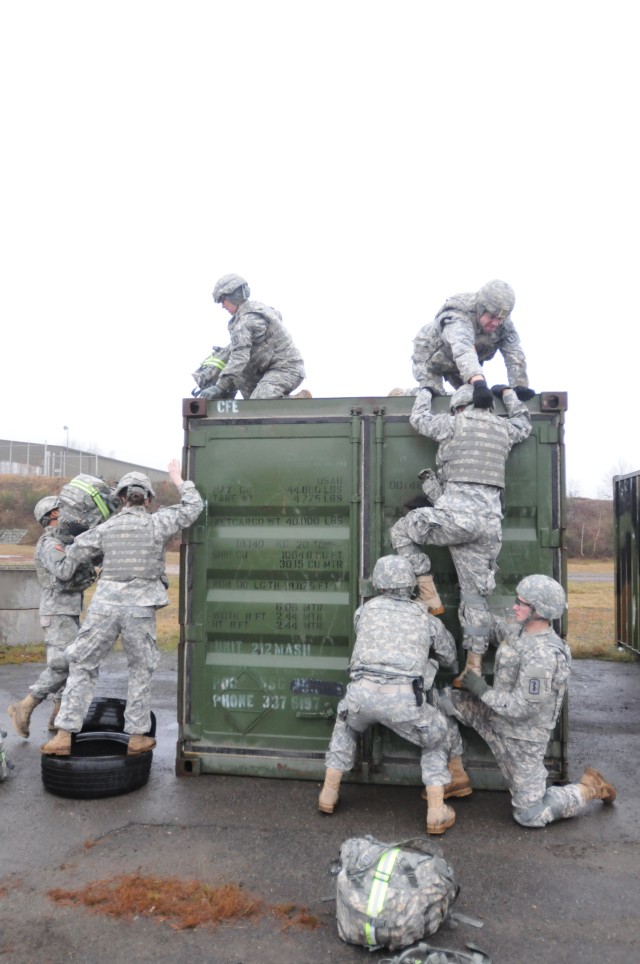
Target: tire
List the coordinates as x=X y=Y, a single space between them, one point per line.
x=106 y=714
x=98 y=767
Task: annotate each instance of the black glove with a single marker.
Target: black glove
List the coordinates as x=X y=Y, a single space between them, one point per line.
x=482 y=395
x=524 y=394
x=474 y=683
x=211 y=392
x=498 y=390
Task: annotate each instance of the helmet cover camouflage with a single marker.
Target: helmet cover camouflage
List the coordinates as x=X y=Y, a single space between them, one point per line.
x=461 y=397
x=497 y=299
x=227 y=284
x=393 y=572
x=544 y=594
x=44 y=507
x=134 y=480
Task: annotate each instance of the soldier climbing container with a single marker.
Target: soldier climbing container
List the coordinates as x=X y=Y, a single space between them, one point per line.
x=300 y=496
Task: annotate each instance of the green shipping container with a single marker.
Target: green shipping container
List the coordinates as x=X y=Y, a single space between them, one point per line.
x=300 y=496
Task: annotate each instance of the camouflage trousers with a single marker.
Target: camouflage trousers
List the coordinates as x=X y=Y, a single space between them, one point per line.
x=394 y=706
x=275 y=383
x=136 y=628
x=474 y=542
x=522 y=765
x=3 y=758
x=59 y=633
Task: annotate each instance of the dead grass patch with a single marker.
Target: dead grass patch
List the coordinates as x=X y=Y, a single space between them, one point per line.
x=179 y=903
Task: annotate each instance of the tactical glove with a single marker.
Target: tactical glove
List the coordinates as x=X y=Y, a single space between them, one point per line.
x=524 y=394
x=474 y=683
x=211 y=392
x=498 y=390
x=482 y=395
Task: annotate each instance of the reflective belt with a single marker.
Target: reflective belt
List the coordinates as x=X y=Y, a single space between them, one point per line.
x=378 y=893
x=105 y=512
x=214 y=362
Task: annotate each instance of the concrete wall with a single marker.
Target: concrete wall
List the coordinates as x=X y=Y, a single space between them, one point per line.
x=19 y=604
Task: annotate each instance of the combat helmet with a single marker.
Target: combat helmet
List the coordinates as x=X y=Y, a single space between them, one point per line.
x=230 y=284
x=461 y=397
x=393 y=572
x=44 y=507
x=497 y=299
x=545 y=595
x=132 y=481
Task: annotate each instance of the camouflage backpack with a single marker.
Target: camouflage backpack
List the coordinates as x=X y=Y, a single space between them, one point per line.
x=87 y=500
x=391 y=895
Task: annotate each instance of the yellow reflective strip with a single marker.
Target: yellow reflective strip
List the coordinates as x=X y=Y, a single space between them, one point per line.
x=379 y=889
x=214 y=362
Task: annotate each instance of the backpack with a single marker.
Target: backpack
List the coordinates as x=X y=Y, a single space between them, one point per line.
x=392 y=895
x=87 y=500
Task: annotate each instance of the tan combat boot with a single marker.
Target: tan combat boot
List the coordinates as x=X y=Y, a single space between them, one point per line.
x=20 y=714
x=303 y=393
x=59 y=745
x=474 y=662
x=460 y=785
x=593 y=786
x=395 y=393
x=329 y=793
x=428 y=594
x=138 y=743
x=439 y=816
x=52 y=719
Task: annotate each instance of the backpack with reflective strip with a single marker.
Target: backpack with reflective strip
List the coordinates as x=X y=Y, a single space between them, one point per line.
x=392 y=895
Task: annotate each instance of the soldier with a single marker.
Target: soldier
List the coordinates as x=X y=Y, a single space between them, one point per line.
x=132 y=585
x=468 y=330
x=516 y=715
x=467 y=515
x=390 y=673
x=60 y=608
x=263 y=361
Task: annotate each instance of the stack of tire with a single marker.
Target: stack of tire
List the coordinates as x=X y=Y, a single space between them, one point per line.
x=99 y=765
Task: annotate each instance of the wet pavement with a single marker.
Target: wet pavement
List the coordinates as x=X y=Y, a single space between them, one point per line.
x=566 y=893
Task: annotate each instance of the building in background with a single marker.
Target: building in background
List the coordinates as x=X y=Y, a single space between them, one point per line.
x=35 y=458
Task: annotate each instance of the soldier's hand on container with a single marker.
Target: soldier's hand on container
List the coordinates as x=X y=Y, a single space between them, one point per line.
x=474 y=684
x=482 y=395
x=175 y=472
x=211 y=392
x=523 y=393
x=498 y=390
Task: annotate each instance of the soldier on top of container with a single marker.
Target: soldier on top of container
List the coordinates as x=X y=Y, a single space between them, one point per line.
x=132 y=585
x=60 y=608
x=391 y=674
x=468 y=330
x=263 y=361
x=466 y=514
x=517 y=714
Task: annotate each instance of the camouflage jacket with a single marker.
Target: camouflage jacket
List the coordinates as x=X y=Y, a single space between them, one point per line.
x=259 y=342
x=58 y=597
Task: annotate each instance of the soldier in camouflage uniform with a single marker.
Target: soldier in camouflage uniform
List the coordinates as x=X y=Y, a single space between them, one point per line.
x=60 y=608
x=516 y=715
x=467 y=515
x=390 y=672
x=263 y=360
x=132 y=585
x=468 y=330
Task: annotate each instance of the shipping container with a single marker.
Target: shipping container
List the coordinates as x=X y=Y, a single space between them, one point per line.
x=626 y=509
x=300 y=496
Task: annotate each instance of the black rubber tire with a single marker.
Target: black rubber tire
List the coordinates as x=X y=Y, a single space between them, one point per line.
x=98 y=767
x=106 y=714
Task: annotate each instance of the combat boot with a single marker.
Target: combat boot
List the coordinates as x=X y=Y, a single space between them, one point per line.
x=52 y=719
x=138 y=743
x=395 y=393
x=303 y=393
x=428 y=594
x=329 y=793
x=460 y=785
x=593 y=786
x=20 y=713
x=474 y=663
x=439 y=816
x=58 y=745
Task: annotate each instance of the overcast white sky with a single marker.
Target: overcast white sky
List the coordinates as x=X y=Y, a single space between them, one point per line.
x=357 y=162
